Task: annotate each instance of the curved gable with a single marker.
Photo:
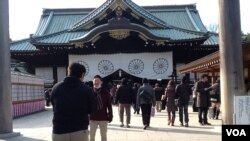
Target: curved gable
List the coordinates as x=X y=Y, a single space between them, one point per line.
x=109 y=10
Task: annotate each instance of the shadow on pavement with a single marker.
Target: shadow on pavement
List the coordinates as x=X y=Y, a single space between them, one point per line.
x=34 y=120
x=187 y=130
x=21 y=138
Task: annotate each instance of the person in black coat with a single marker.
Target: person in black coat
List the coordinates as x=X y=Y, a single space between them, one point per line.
x=48 y=96
x=203 y=99
x=183 y=93
x=124 y=97
x=72 y=103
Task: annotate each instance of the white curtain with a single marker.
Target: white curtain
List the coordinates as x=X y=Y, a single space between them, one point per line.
x=143 y=65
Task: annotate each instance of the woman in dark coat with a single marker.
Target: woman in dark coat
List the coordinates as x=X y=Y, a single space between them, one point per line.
x=170 y=102
x=216 y=97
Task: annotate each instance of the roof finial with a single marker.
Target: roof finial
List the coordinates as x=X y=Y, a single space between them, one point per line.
x=118 y=12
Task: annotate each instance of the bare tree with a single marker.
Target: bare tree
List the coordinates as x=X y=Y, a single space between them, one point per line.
x=248 y=37
x=213 y=28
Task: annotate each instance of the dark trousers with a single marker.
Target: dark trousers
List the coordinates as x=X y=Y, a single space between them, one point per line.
x=202 y=115
x=135 y=109
x=47 y=102
x=183 y=110
x=146 y=113
x=195 y=109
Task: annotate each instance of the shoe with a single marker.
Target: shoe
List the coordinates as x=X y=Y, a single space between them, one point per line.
x=128 y=126
x=206 y=123
x=169 y=121
x=145 y=127
x=181 y=124
x=121 y=125
x=186 y=125
x=201 y=124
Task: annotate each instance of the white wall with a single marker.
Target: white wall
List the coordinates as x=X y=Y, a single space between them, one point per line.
x=61 y=73
x=44 y=72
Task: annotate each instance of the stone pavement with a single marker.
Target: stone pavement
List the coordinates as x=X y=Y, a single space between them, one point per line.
x=37 y=127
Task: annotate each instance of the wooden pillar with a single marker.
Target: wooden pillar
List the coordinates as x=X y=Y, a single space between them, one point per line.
x=231 y=65
x=5 y=84
x=213 y=77
x=6 y=125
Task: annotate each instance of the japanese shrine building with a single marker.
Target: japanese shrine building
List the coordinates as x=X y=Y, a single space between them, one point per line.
x=116 y=39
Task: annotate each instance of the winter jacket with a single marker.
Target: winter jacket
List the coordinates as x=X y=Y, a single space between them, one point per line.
x=124 y=95
x=170 y=98
x=141 y=100
x=158 y=93
x=183 y=93
x=72 y=102
x=105 y=113
x=203 y=97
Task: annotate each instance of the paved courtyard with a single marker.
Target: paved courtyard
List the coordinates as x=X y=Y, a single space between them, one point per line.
x=37 y=127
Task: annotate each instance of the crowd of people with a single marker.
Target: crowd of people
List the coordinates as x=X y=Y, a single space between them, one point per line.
x=78 y=107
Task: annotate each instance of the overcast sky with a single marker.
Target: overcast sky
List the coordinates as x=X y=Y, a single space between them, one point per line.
x=25 y=14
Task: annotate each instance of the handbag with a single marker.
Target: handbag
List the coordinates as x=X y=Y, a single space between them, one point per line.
x=163 y=98
x=144 y=94
x=176 y=102
x=152 y=111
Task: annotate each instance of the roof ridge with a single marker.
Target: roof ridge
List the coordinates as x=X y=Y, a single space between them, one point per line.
x=128 y=3
x=187 y=30
x=48 y=10
x=47 y=22
x=192 y=19
x=134 y=4
x=48 y=35
x=108 y=2
x=170 y=5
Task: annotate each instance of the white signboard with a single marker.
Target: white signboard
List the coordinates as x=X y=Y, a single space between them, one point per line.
x=143 y=65
x=242 y=110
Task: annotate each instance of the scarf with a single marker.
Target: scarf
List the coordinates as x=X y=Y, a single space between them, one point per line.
x=99 y=99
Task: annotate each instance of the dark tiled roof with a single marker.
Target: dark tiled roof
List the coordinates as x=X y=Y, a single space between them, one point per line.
x=174 y=15
x=145 y=13
x=93 y=14
x=134 y=7
x=22 y=45
x=212 y=40
x=55 y=23
x=174 y=34
x=62 y=37
x=59 y=20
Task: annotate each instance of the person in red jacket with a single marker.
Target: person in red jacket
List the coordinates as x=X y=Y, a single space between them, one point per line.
x=104 y=113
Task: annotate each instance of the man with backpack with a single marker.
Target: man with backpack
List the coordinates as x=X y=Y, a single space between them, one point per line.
x=145 y=99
